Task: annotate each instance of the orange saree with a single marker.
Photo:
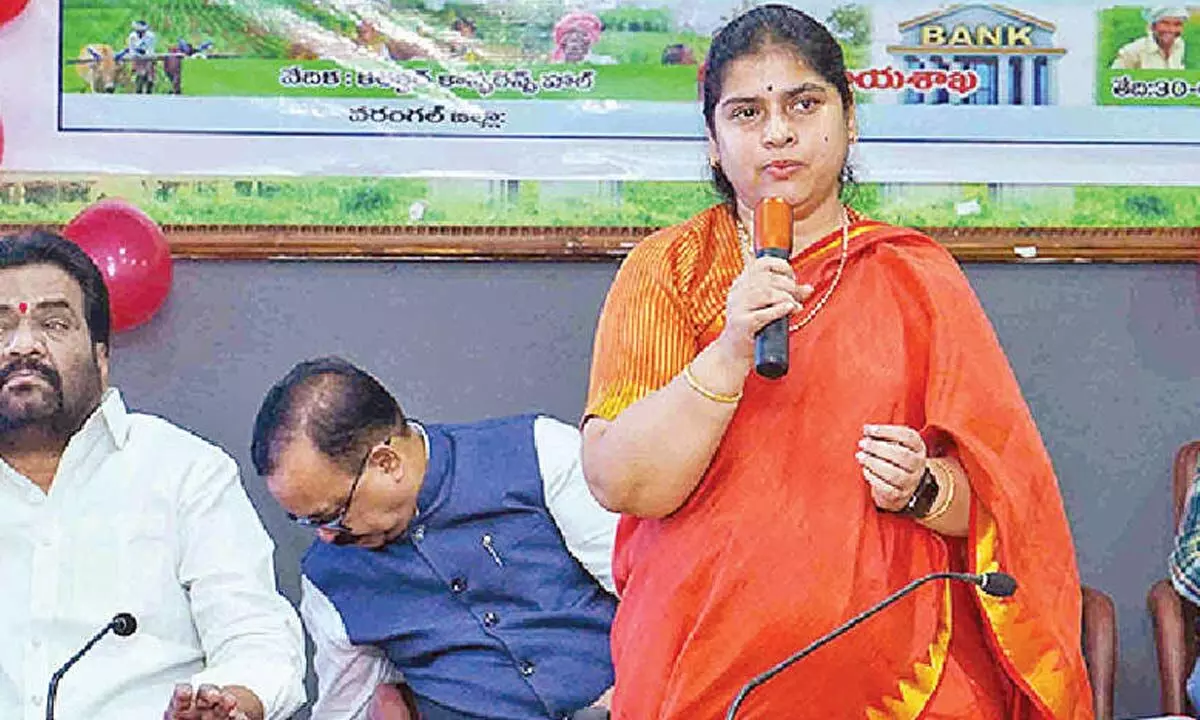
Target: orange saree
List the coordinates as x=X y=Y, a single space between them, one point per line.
x=780 y=542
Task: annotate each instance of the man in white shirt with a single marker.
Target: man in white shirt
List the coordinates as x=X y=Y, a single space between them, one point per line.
x=141 y=39
x=1162 y=49
x=468 y=563
x=108 y=511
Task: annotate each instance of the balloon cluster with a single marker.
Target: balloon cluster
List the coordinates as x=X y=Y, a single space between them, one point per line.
x=132 y=254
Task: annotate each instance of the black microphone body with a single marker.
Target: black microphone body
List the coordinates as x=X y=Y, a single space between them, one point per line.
x=123 y=624
x=997 y=584
x=772 y=238
x=771 y=343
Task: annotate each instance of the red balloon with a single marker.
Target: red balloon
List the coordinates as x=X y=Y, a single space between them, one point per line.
x=9 y=9
x=132 y=254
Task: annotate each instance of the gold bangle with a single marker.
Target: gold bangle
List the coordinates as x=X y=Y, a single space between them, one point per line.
x=714 y=396
x=939 y=471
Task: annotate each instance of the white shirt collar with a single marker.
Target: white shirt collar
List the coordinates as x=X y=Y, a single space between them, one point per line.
x=114 y=415
x=414 y=425
x=109 y=420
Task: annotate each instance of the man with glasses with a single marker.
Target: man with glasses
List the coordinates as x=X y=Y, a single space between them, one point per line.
x=108 y=511
x=465 y=566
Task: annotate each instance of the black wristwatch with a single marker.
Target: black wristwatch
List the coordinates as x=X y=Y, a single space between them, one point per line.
x=922 y=500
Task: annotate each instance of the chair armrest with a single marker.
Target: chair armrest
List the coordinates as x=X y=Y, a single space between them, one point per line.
x=1100 y=644
x=1170 y=639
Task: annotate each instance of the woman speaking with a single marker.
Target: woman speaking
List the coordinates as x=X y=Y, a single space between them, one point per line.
x=761 y=513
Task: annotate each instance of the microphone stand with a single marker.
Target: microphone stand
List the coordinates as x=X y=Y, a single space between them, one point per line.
x=981 y=580
x=124 y=624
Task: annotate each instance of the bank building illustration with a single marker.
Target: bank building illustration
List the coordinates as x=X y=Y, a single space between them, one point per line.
x=1011 y=51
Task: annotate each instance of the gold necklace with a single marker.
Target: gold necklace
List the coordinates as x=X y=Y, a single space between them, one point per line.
x=748 y=257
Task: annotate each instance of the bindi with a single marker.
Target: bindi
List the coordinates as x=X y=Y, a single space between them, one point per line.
x=23 y=308
x=770 y=88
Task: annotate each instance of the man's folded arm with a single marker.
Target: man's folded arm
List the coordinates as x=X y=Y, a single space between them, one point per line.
x=250 y=633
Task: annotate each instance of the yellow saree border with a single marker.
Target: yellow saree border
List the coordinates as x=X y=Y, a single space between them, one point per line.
x=913 y=693
x=1041 y=671
x=855 y=231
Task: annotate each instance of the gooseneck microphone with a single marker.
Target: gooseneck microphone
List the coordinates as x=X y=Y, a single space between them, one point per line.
x=123 y=624
x=996 y=584
x=772 y=238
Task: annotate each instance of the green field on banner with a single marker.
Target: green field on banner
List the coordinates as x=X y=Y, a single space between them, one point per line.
x=360 y=201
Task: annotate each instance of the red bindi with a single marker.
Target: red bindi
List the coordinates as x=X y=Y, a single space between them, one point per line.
x=23 y=308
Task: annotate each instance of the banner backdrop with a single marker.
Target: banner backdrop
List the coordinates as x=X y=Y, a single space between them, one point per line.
x=1053 y=92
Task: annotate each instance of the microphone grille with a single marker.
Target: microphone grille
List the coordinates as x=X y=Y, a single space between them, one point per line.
x=124 y=624
x=773 y=224
x=998 y=584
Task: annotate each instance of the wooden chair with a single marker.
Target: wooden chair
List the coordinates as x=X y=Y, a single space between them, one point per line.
x=1100 y=648
x=1175 y=618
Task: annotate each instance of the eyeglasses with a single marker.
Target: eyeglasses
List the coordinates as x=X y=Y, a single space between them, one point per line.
x=336 y=524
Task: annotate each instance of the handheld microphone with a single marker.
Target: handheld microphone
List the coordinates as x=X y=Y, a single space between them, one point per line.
x=996 y=584
x=122 y=624
x=772 y=238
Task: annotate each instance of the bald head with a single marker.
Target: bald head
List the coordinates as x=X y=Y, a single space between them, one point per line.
x=341 y=409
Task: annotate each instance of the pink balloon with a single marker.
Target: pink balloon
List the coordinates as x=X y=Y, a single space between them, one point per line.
x=132 y=254
x=9 y=9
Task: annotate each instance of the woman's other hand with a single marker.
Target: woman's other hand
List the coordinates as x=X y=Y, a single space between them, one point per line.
x=893 y=460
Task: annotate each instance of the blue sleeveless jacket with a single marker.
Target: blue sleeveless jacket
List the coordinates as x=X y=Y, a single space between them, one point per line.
x=479 y=604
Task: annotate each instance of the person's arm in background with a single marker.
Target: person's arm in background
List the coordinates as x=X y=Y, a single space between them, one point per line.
x=348 y=675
